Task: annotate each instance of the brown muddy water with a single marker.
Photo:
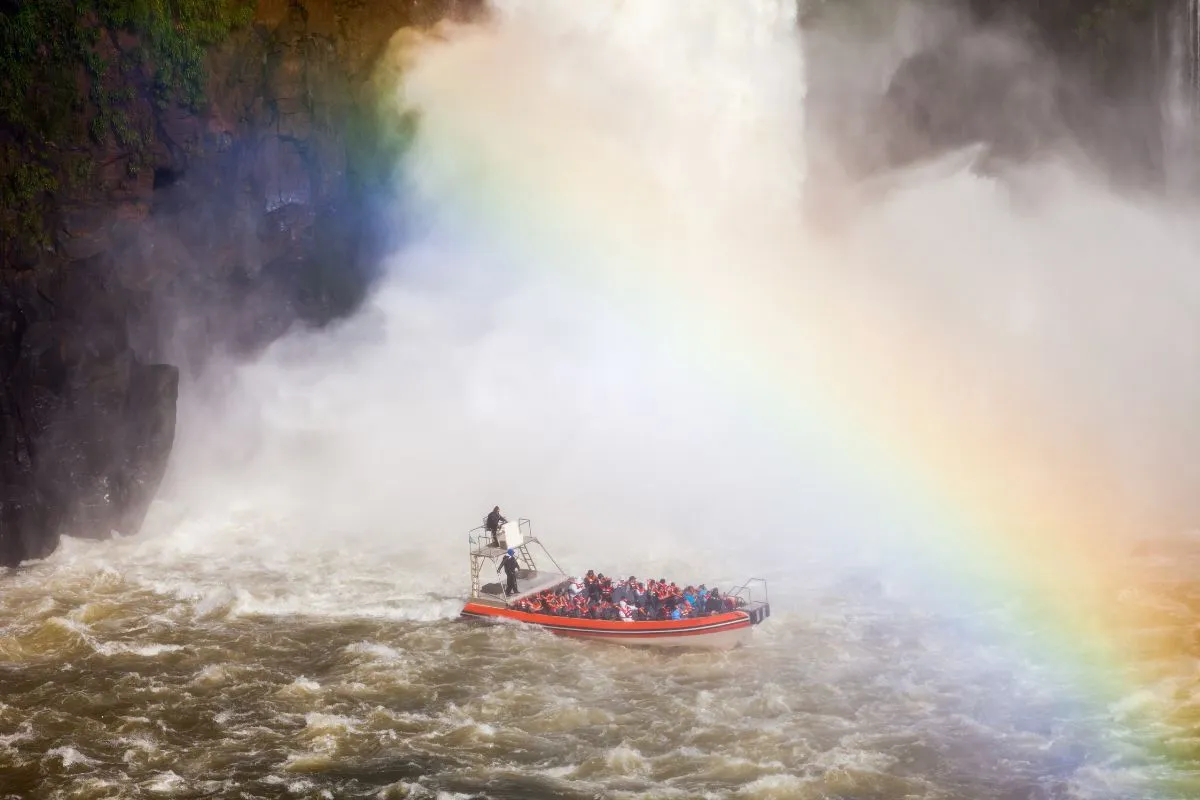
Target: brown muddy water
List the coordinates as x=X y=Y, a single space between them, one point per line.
x=157 y=668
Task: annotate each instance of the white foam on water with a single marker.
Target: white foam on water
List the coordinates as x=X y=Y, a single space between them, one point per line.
x=70 y=757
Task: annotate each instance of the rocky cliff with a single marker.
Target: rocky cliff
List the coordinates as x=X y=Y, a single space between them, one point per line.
x=176 y=179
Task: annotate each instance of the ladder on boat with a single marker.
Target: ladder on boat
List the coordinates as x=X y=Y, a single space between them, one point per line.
x=483 y=551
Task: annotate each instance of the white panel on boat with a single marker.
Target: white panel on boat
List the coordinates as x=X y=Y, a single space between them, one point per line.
x=510 y=535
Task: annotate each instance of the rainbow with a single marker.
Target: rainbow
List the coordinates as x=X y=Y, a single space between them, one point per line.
x=1006 y=502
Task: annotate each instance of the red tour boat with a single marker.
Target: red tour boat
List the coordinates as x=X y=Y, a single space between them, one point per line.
x=720 y=630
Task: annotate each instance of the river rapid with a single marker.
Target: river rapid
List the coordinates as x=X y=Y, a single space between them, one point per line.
x=237 y=664
x=286 y=624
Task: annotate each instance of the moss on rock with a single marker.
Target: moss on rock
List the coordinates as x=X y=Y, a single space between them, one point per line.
x=70 y=73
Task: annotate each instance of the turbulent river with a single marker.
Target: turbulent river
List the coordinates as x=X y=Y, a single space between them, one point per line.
x=197 y=665
x=599 y=321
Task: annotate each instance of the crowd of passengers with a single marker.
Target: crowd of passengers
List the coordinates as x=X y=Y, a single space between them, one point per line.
x=599 y=597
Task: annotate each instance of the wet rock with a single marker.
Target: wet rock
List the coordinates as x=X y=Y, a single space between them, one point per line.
x=25 y=255
x=83 y=231
x=86 y=428
x=974 y=89
x=187 y=232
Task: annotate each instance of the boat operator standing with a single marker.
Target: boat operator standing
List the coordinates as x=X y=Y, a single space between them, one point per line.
x=493 y=523
x=510 y=566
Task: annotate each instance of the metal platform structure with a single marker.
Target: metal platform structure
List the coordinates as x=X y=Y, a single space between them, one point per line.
x=530 y=578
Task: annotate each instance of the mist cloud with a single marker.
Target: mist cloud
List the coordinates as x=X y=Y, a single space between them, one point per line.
x=607 y=320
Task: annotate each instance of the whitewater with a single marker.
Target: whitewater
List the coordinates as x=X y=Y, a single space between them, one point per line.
x=613 y=316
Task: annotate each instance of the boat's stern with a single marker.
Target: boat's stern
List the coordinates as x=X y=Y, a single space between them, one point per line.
x=753 y=599
x=758 y=612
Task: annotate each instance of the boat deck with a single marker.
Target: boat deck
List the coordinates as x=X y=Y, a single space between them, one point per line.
x=528 y=581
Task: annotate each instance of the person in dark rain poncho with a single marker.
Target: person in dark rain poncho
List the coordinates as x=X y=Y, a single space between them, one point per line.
x=493 y=523
x=510 y=566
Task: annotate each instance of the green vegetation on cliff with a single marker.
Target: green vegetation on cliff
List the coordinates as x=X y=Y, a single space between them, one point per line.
x=176 y=33
x=70 y=74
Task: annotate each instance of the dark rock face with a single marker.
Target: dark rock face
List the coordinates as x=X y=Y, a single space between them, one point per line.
x=1020 y=79
x=255 y=215
x=86 y=426
x=973 y=89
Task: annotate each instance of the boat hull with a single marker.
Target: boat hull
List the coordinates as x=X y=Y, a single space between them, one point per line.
x=715 y=632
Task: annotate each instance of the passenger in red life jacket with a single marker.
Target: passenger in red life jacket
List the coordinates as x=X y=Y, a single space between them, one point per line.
x=624 y=590
x=661 y=594
x=510 y=567
x=626 y=600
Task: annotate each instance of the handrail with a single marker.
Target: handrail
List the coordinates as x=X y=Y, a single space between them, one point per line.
x=746 y=591
x=475 y=539
x=527 y=532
